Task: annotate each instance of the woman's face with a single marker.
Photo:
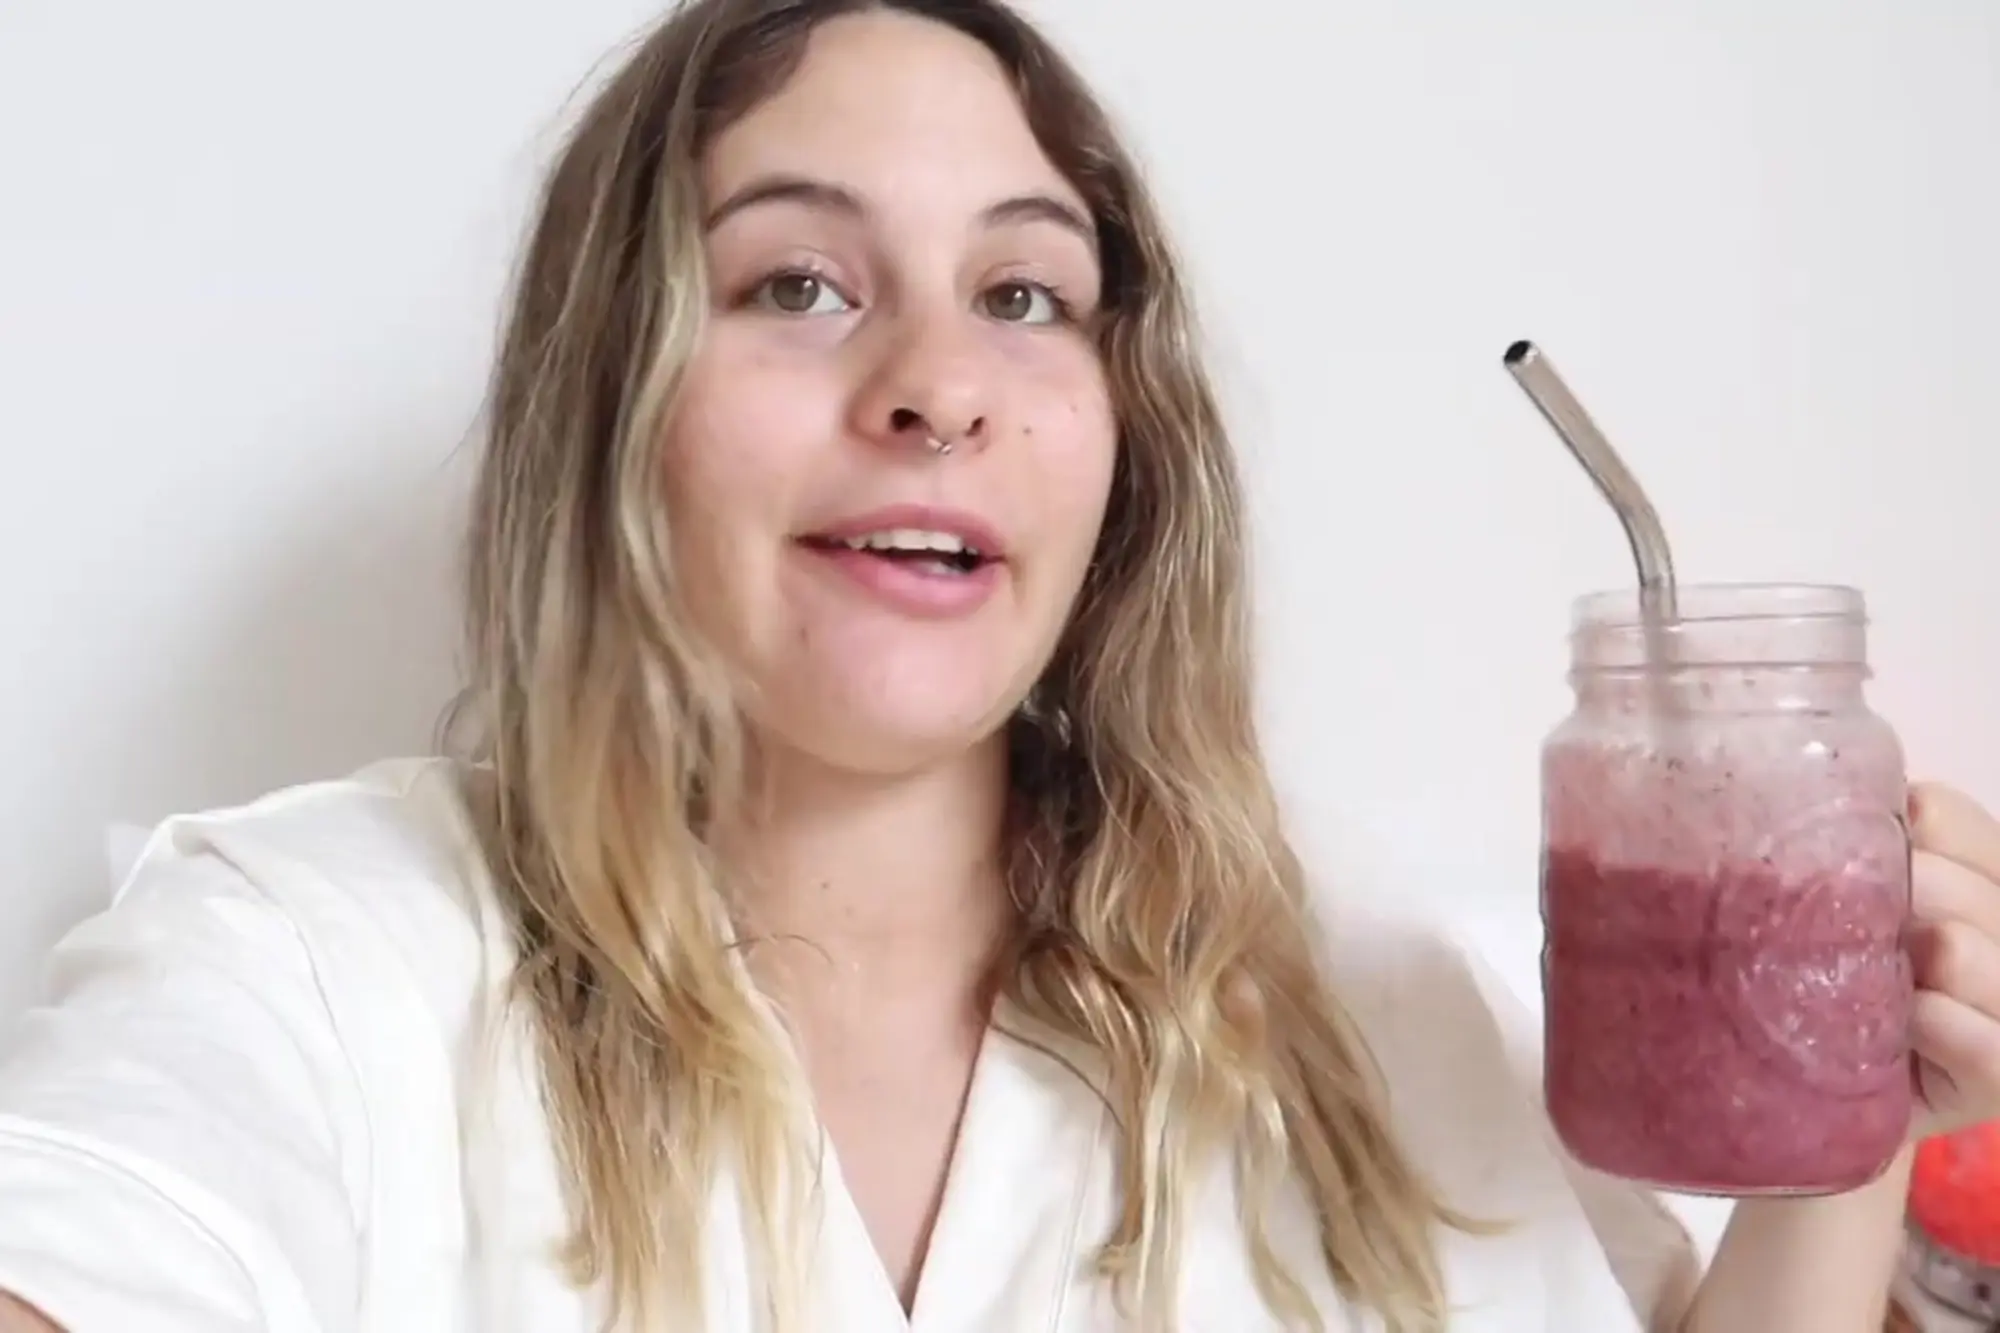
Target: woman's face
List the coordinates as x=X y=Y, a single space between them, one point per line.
x=895 y=264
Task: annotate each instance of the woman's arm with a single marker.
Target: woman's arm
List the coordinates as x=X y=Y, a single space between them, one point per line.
x=178 y=1123
x=1824 y=1265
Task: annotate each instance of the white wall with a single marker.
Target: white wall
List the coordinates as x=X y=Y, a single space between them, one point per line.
x=249 y=256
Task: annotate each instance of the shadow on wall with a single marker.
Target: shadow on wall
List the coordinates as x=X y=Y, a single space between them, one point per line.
x=330 y=643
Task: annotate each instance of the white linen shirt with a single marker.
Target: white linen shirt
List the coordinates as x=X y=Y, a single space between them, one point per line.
x=275 y=1090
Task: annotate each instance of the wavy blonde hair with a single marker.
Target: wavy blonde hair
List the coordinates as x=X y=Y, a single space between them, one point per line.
x=1164 y=921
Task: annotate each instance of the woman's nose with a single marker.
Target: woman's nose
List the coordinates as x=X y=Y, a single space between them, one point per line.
x=933 y=390
x=909 y=425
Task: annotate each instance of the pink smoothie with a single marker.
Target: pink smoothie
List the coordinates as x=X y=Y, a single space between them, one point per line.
x=1727 y=992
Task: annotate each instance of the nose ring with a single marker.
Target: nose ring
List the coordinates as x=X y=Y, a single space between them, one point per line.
x=938 y=447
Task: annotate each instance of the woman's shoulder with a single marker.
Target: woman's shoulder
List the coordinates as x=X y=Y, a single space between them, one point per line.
x=256 y=1043
x=397 y=816
x=1445 y=1032
x=388 y=814
x=1446 y=1003
x=1431 y=979
x=377 y=868
x=1457 y=1043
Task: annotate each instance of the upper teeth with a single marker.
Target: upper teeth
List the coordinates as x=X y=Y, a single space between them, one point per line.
x=908 y=539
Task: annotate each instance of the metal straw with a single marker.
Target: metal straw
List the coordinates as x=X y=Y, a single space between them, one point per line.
x=1538 y=379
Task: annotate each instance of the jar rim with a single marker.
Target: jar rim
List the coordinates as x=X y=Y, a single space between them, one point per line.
x=1711 y=603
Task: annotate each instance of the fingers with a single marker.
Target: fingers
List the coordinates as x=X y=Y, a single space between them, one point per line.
x=1943 y=889
x=1951 y=824
x=1958 y=1051
x=1955 y=952
x=1959 y=960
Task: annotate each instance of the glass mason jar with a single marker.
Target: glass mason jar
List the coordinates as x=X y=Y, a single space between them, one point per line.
x=1725 y=889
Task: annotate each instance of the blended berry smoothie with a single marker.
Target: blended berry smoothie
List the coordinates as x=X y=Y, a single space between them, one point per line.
x=1727 y=991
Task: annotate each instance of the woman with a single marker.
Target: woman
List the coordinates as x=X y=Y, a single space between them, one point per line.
x=864 y=759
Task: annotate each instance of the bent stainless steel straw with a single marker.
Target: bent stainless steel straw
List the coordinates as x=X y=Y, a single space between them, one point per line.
x=1538 y=379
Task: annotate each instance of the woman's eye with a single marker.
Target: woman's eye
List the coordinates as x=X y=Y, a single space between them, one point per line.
x=800 y=294
x=1022 y=303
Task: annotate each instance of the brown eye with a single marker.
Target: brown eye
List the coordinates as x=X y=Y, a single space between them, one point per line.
x=797 y=293
x=1021 y=303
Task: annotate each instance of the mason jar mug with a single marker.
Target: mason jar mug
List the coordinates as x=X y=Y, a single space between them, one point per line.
x=1725 y=890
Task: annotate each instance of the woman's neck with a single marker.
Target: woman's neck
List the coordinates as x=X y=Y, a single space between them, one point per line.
x=860 y=892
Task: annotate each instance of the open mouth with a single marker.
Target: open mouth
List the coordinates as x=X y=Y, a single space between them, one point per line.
x=914 y=549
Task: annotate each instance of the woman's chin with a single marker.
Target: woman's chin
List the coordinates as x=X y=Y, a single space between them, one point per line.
x=900 y=742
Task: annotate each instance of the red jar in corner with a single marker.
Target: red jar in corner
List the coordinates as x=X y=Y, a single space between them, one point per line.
x=1954 y=1214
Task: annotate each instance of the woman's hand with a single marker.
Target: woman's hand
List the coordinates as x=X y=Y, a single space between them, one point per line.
x=1825 y=1264
x=1955 y=946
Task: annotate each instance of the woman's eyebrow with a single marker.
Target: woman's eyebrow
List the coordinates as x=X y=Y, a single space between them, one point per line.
x=828 y=197
x=821 y=196
x=1040 y=208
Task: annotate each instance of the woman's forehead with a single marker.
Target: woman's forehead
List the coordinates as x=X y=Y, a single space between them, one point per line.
x=894 y=108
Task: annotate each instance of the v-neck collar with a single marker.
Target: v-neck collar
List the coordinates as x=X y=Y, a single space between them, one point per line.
x=1022 y=1169
x=848 y=1230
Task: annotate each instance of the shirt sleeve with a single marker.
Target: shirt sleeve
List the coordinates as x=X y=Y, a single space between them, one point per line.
x=181 y=1139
